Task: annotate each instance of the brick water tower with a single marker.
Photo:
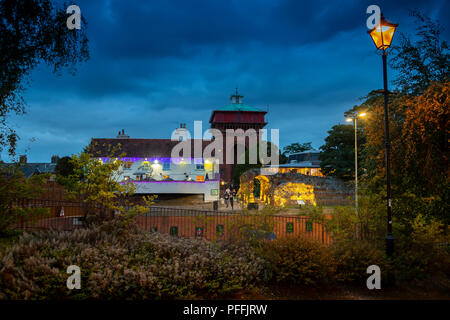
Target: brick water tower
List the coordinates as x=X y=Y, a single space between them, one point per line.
x=235 y=116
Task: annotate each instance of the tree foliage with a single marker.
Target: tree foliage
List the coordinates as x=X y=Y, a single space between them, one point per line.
x=423 y=61
x=246 y=165
x=97 y=183
x=64 y=167
x=15 y=188
x=296 y=147
x=32 y=32
x=419 y=149
x=338 y=153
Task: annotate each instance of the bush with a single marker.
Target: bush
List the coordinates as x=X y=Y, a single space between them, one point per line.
x=353 y=258
x=418 y=254
x=297 y=260
x=122 y=262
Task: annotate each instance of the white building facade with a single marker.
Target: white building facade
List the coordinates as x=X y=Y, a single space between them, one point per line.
x=149 y=164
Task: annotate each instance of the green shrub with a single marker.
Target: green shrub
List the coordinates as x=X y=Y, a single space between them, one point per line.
x=353 y=258
x=297 y=260
x=418 y=254
x=123 y=262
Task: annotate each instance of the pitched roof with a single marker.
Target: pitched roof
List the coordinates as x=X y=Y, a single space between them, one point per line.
x=142 y=148
x=28 y=169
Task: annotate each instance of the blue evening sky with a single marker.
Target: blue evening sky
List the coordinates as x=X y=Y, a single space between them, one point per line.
x=155 y=64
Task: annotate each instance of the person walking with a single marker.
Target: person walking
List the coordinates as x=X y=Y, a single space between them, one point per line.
x=226 y=196
x=235 y=195
x=231 y=200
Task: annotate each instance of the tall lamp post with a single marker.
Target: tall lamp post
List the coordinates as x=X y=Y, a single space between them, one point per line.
x=354 y=118
x=382 y=36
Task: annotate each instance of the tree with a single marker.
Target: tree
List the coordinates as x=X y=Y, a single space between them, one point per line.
x=64 y=167
x=97 y=184
x=32 y=32
x=15 y=188
x=426 y=134
x=296 y=147
x=338 y=152
x=242 y=167
x=421 y=62
x=418 y=122
x=419 y=150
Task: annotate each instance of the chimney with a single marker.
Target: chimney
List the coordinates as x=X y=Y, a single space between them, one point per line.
x=122 y=135
x=55 y=159
x=23 y=159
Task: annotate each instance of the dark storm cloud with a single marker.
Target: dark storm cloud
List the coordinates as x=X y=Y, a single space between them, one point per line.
x=155 y=64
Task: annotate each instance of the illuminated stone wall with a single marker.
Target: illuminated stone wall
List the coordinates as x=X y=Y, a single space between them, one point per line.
x=283 y=189
x=292 y=192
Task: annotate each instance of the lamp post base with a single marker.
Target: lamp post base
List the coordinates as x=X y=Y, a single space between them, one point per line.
x=389 y=245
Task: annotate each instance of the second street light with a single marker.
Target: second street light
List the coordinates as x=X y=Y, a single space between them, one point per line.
x=382 y=36
x=354 y=118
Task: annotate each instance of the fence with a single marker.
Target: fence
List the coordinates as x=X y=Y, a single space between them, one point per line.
x=59 y=215
x=187 y=223
x=214 y=225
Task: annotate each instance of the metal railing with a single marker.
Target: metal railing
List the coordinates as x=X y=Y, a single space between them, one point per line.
x=216 y=225
x=181 y=222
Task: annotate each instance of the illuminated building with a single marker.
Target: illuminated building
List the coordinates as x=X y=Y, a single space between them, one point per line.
x=148 y=163
x=306 y=163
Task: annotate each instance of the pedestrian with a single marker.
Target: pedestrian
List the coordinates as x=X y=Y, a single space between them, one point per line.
x=227 y=196
x=231 y=200
x=235 y=195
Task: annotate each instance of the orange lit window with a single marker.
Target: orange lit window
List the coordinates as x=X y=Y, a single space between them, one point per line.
x=200 y=178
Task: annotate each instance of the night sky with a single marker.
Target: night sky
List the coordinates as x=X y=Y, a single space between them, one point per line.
x=155 y=64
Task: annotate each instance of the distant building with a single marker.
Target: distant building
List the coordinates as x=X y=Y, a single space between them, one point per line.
x=306 y=162
x=31 y=168
x=235 y=116
x=148 y=163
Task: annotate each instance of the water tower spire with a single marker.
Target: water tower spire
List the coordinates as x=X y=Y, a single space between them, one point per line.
x=236 y=98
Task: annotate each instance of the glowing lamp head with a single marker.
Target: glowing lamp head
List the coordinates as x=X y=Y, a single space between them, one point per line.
x=362 y=114
x=349 y=120
x=383 y=33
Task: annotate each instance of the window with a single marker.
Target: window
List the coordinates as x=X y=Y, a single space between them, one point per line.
x=200 y=166
x=166 y=165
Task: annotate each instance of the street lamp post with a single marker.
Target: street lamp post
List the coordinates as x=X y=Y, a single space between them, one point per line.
x=354 y=118
x=382 y=36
